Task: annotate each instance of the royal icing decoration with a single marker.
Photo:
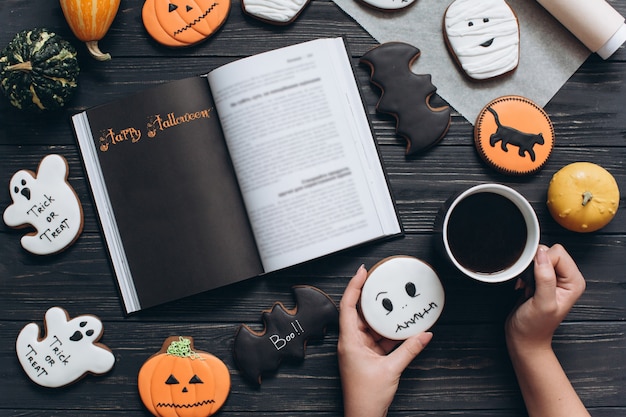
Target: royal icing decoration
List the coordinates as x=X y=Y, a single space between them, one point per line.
x=182 y=381
x=484 y=37
x=47 y=202
x=388 y=4
x=401 y=297
x=67 y=351
x=274 y=11
x=286 y=333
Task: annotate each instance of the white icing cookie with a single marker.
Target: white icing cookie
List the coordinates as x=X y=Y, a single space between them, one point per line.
x=388 y=4
x=47 y=202
x=279 y=12
x=401 y=297
x=67 y=352
x=484 y=37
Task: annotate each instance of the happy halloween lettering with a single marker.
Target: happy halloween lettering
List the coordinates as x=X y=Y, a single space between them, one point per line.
x=55 y=355
x=155 y=124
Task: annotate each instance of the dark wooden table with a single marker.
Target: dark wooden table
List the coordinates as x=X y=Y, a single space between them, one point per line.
x=465 y=371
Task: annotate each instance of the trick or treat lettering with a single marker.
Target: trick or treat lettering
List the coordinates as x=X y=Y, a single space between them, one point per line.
x=67 y=351
x=286 y=333
x=507 y=135
x=406 y=95
x=402 y=296
x=48 y=203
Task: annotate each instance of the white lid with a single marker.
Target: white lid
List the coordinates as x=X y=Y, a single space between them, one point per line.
x=613 y=43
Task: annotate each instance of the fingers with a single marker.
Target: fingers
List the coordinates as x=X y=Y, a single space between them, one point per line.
x=545 y=278
x=352 y=293
x=408 y=350
x=567 y=272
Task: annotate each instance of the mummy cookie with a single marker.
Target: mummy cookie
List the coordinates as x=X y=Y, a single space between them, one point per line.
x=278 y=12
x=483 y=36
x=181 y=381
x=47 y=202
x=406 y=95
x=388 y=4
x=401 y=297
x=286 y=333
x=67 y=352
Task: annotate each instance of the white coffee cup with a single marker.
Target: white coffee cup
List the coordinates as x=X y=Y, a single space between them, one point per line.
x=485 y=236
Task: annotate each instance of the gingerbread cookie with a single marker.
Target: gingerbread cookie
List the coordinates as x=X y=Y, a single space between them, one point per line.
x=278 y=12
x=67 y=351
x=401 y=297
x=181 y=381
x=47 y=202
x=178 y=23
x=483 y=36
x=514 y=135
x=286 y=332
x=406 y=95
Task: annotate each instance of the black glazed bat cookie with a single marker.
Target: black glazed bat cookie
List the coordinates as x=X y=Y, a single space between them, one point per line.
x=406 y=95
x=285 y=334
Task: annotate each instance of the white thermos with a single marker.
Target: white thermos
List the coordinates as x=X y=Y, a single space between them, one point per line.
x=594 y=22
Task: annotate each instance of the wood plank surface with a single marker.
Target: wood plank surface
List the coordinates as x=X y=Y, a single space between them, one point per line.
x=465 y=371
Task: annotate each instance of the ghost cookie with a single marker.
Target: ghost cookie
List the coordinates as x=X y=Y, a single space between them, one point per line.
x=285 y=334
x=401 y=297
x=47 y=202
x=181 y=381
x=406 y=95
x=278 y=12
x=483 y=36
x=179 y=23
x=67 y=352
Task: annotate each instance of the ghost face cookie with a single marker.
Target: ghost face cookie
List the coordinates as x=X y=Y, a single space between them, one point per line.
x=67 y=351
x=47 y=202
x=401 y=297
x=483 y=36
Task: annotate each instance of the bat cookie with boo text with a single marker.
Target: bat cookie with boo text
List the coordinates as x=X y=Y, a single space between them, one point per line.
x=406 y=95
x=285 y=334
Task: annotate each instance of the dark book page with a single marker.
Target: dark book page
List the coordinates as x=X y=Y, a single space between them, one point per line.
x=173 y=192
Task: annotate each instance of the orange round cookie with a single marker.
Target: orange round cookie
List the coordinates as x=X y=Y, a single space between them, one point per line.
x=514 y=135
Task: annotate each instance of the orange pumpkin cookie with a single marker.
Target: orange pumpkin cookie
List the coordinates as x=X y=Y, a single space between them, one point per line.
x=180 y=381
x=514 y=135
x=180 y=23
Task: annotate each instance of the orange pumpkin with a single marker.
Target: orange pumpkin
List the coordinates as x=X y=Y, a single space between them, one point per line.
x=90 y=20
x=181 y=382
x=183 y=22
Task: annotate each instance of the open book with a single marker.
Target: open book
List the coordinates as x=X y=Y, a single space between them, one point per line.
x=262 y=164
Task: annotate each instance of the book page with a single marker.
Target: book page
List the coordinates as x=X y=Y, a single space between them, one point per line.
x=303 y=152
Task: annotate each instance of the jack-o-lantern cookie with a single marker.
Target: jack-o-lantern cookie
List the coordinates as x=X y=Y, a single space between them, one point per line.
x=401 y=297
x=67 y=352
x=514 y=135
x=406 y=95
x=47 y=202
x=483 y=36
x=181 y=381
x=180 y=23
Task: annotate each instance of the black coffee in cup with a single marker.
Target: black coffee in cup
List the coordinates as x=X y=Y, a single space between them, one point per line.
x=486 y=232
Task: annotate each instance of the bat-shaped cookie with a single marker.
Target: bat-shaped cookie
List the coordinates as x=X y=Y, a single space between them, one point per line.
x=286 y=332
x=406 y=95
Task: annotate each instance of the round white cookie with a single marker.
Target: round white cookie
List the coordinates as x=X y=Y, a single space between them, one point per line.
x=401 y=297
x=388 y=4
x=484 y=37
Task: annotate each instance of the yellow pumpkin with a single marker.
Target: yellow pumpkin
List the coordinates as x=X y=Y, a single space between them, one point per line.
x=583 y=197
x=90 y=20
